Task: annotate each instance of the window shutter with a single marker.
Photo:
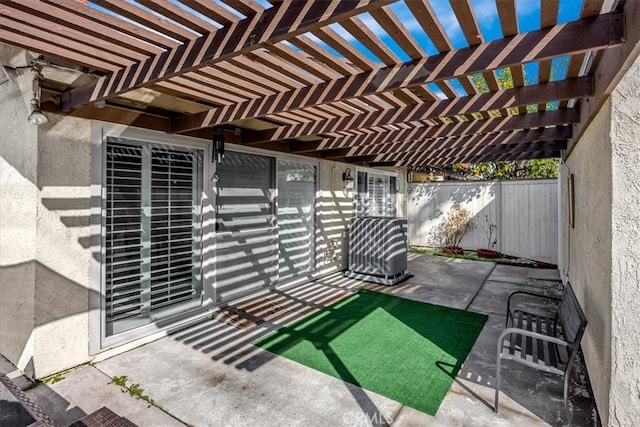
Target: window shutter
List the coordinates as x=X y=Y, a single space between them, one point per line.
x=393 y=190
x=172 y=227
x=376 y=194
x=153 y=232
x=123 y=231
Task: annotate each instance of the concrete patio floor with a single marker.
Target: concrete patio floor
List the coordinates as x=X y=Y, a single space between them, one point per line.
x=210 y=374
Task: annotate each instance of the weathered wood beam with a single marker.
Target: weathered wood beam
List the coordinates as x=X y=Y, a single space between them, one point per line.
x=535 y=151
x=551 y=91
x=477 y=153
x=456 y=144
x=426 y=131
x=471 y=159
x=526 y=155
x=611 y=68
x=601 y=33
x=280 y=22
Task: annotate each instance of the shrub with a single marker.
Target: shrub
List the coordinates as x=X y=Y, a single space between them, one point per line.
x=455 y=225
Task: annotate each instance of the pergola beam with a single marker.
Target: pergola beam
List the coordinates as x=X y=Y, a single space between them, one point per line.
x=544 y=44
x=518 y=155
x=534 y=150
x=280 y=22
x=450 y=157
x=452 y=144
x=427 y=131
x=552 y=91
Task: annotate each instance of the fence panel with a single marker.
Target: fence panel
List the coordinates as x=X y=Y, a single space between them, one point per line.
x=525 y=213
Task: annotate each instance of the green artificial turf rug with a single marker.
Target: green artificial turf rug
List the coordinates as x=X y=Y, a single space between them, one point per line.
x=406 y=350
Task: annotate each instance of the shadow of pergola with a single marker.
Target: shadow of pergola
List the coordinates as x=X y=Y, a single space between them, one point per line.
x=228 y=338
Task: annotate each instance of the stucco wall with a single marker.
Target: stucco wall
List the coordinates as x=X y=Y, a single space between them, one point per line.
x=45 y=236
x=601 y=255
x=44 y=217
x=334 y=209
x=62 y=246
x=624 y=399
x=589 y=246
x=18 y=201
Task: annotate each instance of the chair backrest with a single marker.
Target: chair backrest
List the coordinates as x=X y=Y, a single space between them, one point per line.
x=571 y=317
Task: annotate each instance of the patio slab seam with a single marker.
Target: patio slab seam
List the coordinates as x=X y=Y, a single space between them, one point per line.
x=486 y=278
x=152 y=403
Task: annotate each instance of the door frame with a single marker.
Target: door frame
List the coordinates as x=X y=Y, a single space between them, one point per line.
x=98 y=341
x=317 y=197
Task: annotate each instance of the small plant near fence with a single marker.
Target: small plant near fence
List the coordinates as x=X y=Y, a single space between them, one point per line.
x=492 y=240
x=453 y=229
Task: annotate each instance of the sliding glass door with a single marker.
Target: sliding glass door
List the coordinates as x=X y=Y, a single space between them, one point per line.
x=153 y=233
x=246 y=232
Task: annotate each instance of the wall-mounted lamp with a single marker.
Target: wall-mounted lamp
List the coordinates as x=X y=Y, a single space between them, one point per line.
x=347 y=178
x=346 y=175
x=218 y=147
x=37 y=117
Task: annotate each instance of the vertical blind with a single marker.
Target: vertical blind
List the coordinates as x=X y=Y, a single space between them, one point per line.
x=153 y=232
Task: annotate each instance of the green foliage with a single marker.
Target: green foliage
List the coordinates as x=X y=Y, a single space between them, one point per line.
x=521 y=169
x=134 y=389
x=121 y=381
x=467 y=255
x=420 y=251
x=55 y=378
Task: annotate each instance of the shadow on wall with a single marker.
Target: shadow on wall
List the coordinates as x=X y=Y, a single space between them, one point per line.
x=429 y=204
x=32 y=308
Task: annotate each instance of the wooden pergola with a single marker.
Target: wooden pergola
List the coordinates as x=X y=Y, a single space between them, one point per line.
x=314 y=78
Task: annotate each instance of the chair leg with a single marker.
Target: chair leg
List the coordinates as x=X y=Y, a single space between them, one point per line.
x=495 y=404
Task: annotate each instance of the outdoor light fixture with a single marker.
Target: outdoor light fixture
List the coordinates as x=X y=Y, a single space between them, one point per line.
x=346 y=176
x=37 y=117
x=347 y=179
x=218 y=147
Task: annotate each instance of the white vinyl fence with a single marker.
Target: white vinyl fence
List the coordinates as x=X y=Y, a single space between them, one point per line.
x=524 y=211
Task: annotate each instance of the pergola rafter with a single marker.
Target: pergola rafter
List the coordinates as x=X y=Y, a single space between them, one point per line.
x=452 y=144
x=567 y=89
x=348 y=80
x=426 y=131
x=281 y=22
x=561 y=40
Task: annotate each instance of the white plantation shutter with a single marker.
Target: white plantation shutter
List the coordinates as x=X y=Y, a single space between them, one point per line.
x=173 y=178
x=123 y=231
x=376 y=194
x=153 y=232
x=378 y=191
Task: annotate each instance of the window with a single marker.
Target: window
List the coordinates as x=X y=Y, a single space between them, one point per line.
x=153 y=237
x=376 y=194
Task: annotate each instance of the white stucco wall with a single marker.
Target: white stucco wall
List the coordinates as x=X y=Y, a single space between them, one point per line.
x=18 y=201
x=624 y=402
x=602 y=254
x=334 y=210
x=44 y=216
x=62 y=244
x=589 y=246
x=45 y=255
